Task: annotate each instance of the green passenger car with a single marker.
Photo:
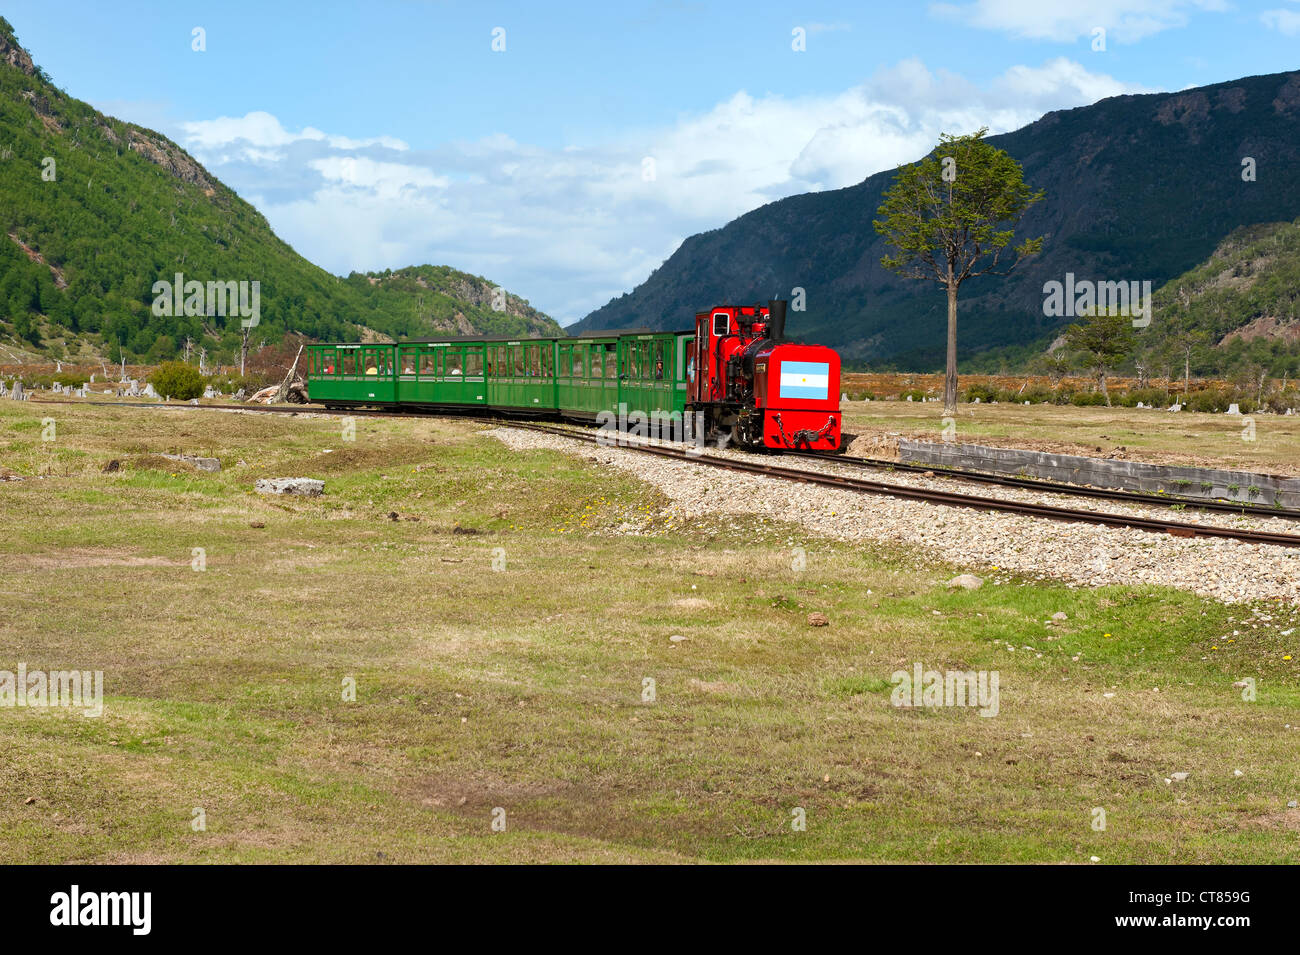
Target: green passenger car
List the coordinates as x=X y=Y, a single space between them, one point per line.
x=352 y=374
x=575 y=378
x=441 y=373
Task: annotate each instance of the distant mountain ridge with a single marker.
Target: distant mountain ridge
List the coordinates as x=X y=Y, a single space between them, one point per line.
x=94 y=210
x=1140 y=187
x=443 y=301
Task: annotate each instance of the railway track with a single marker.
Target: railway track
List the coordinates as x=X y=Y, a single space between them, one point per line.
x=948 y=498
x=860 y=485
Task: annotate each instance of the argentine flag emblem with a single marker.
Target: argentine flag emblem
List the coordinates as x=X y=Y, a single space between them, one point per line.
x=805 y=379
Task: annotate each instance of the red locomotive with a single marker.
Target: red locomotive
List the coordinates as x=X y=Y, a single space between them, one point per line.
x=761 y=390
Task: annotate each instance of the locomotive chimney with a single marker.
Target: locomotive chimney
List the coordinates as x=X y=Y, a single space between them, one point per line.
x=776 y=319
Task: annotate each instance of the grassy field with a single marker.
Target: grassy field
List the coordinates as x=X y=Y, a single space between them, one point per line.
x=1190 y=438
x=524 y=688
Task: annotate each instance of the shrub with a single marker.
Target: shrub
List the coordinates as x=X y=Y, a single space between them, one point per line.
x=985 y=393
x=178 y=380
x=231 y=383
x=1150 y=397
x=1088 y=399
x=1210 y=399
x=916 y=394
x=1278 y=403
x=256 y=380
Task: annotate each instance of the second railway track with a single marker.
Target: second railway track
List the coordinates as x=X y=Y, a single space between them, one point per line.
x=1242 y=508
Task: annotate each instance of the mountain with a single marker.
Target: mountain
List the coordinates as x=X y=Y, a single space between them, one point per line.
x=94 y=211
x=439 y=300
x=1141 y=187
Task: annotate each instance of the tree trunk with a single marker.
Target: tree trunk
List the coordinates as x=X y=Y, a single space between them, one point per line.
x=1187 y=372
x=243 y=351
x=282 y=393
x=950 y=377
x=1101 y=379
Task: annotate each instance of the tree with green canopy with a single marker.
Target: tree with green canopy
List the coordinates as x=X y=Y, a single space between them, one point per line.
x=952 y=216
x=1106 y=337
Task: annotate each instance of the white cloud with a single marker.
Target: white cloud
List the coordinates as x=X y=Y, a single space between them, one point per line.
x=1286 y=22
x=569 y=228
x=258 y=129
x=1060 y=79
x=1065 y=21
x=388 y=142
x=261 y=130
x=384 y=180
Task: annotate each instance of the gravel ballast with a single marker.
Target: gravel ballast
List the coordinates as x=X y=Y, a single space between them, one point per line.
x=1080 y=554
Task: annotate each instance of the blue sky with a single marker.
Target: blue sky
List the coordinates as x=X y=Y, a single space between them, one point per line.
x=570 y=164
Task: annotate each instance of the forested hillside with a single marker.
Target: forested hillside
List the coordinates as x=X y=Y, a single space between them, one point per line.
x=1240 y=308
x=433 y=300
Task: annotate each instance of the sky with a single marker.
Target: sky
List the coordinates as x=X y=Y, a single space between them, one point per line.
x=565 y=150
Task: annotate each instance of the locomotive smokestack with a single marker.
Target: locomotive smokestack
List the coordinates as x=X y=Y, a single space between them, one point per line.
x=776 y=319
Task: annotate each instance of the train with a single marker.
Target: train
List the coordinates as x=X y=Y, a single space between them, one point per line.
x=734 y=378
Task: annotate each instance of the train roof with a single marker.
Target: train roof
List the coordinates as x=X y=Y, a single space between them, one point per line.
x=469 y=339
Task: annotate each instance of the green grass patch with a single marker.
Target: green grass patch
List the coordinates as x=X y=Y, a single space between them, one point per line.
x=338 y=685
